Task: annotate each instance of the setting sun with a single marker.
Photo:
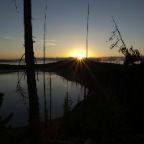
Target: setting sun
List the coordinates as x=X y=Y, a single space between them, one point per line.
x=80 y=55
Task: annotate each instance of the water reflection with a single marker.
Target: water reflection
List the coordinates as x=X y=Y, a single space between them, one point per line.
x=51 y=96
x=45 y=103
x=4 y=121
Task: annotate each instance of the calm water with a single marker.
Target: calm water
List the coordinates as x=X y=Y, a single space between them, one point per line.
x=14 y=102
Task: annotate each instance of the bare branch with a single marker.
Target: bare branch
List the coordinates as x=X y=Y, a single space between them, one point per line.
x=15 y=2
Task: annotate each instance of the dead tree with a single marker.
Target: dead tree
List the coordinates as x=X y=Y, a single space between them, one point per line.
x=131 y=55
x=34 y=119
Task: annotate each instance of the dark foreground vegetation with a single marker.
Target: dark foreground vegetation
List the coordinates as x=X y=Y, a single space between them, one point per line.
x=111 y=112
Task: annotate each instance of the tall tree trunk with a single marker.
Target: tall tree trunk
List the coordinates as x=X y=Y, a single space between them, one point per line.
x=34 y=118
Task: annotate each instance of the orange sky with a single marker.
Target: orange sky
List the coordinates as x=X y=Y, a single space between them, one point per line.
x=66 y=26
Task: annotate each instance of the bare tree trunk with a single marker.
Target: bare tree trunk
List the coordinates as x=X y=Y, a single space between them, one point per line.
x=34 y=119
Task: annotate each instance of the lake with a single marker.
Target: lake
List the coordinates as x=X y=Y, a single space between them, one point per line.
x=16 y=103
x=116 y=60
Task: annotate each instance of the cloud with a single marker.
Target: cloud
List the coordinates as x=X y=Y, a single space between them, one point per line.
x=50 y=42
x=7 y=37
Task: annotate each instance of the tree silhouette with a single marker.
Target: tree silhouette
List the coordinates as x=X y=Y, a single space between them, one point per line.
x=131 y=55
x=34 y=118
x=67 y=104
x=67 y=109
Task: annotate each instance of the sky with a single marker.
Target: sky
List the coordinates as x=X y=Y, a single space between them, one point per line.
x=66 y=26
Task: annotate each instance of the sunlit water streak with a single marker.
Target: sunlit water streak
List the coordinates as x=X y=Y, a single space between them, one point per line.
x=14 y=102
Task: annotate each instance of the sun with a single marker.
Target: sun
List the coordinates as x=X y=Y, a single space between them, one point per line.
x=80 y=55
